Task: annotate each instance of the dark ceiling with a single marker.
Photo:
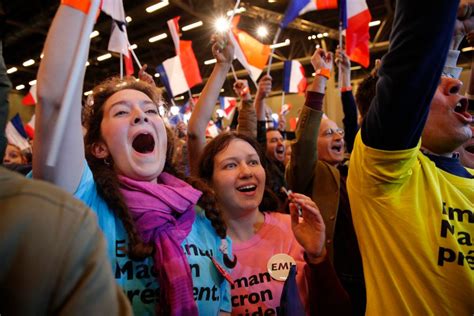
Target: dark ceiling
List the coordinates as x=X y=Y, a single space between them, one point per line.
x=25 y=24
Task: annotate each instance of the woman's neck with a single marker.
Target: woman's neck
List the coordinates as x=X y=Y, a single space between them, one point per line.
x=243 y=227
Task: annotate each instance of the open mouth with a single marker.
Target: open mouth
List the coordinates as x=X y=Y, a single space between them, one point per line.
x=247 y=188
x=337 y=148
x=470 y=149
x=280 y=150
x=143 y=143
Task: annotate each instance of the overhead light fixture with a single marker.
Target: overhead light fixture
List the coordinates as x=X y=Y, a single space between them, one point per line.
x=262 y=31
x=282 y=44
x=12 y=70
x=237 y=11
x=104 y=57
x=221 y=25
x=192 y=26
x=94 y=33
x=157 y=75
x=134 y=46
x=222 y=90
x=272 y=1
x=157 y=6
x=29 y=62
x=319 y=35
x=32 y=82
x=465 y=49
x=42 y=55
x=128 y=19
x=210 y=61
x=20 y=87
x=88 y=93
x=87 y=63
x=356 y=68
x=374 y=23
x=325 y=34
x=157 y=37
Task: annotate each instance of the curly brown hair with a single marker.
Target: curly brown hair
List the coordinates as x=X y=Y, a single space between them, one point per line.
x=107 y=179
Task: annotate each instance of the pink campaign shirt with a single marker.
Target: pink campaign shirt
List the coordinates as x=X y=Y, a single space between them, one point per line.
x=254 y=291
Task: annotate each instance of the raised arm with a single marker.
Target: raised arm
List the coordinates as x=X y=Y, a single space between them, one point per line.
x=348 y=103
x=409 y=73
x=223 y=51
x=5 y=86
x=59 y=51
x=304 y=155
x=247 y=119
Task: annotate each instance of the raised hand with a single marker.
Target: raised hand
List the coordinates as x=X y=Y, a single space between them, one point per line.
x=222 y=48
x=241 y=88
x=144 y=76
x=309 y=230
x=322 y=59
x=264 y=87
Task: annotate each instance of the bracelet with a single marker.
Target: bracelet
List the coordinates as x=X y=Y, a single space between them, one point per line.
x=245 y=91
x=345 y=89
x=81 y=5
x=325 y=72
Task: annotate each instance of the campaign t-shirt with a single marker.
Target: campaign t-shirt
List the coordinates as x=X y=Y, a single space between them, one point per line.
x=138 y=278
x=415 y=226
x=254 y=290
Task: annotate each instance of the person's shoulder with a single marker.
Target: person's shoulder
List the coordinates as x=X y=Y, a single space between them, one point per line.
x=37 y=193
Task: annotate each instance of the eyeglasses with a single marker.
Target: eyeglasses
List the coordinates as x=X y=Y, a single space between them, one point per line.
x=330 y=132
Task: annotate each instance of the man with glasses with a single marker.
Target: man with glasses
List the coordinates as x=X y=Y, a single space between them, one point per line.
x=316 y=169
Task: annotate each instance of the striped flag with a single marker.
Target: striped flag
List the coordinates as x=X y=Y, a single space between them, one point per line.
x=252 y=54
x=294 y=79
x=298 y=7
x=118 y=43
x=355 y=17
x=228 y=105
x=30 y=98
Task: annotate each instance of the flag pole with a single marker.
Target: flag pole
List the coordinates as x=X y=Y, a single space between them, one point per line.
x=339 y=79
x=275 y=40
x=121 y=66
x=74 y=76
x=135 y=57
x=233 y=72
x=282 y=98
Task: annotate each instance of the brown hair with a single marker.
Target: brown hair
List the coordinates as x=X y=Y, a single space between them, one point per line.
x=218 y=144
x=106 y=178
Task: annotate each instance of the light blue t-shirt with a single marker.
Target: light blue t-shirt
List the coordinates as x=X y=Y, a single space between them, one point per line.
x=138 y=278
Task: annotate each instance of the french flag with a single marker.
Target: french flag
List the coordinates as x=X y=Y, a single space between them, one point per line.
x=30 y=98
x=118 y=43
x=298 y=7
x=180 y=73
x=294 y=79
x=251 y=53
x=228 y=105
x=355 y=17
x=16 y=134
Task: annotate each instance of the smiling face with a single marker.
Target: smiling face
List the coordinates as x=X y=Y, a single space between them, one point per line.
x=330 y=142
x=133 y=135
x=275 y=146
x=448 y=123
x=238 y=178
x=466 y=151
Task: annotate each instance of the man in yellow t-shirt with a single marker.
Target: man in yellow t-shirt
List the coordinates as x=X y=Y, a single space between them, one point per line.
x=412 y=200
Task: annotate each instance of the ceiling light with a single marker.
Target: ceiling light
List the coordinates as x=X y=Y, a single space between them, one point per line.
x=221 y=25
x=32 y=82
x=12 y=70
x=313 y=36
x=128 y=19
x=465 y=49
x=104 y=57
x=262 y=31
x=237 y=11
x=222 y=90
x=356 y=68
x=374 y=23
x=192 y=26
x=272 y=1
x=210 y=61
x=20 y=87
x=29 y=62
x=94 y=34
x=157 y=6
x=157 y=37
x=134 y=46
x=157 y=75
x=87 y=93
x=282 y=44
x=325 y=34
x=319 y=35
x=87 y=63
x=42 y=55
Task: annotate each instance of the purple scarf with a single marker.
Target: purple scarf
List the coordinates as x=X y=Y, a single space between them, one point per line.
x=164 y=214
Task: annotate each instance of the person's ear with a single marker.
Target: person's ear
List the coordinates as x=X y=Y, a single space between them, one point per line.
x=100 y=150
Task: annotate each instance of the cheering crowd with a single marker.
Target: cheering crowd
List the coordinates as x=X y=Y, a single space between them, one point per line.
x=136 y=217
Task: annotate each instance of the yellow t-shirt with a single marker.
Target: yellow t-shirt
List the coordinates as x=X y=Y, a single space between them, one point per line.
x=415 y=226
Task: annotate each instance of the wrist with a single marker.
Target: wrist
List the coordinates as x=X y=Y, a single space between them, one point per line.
x=346 y=88
x=81 y=5
x=323 y=72
x=316 y=258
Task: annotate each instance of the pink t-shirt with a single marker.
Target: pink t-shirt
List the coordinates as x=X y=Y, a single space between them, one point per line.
x=254 y=290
